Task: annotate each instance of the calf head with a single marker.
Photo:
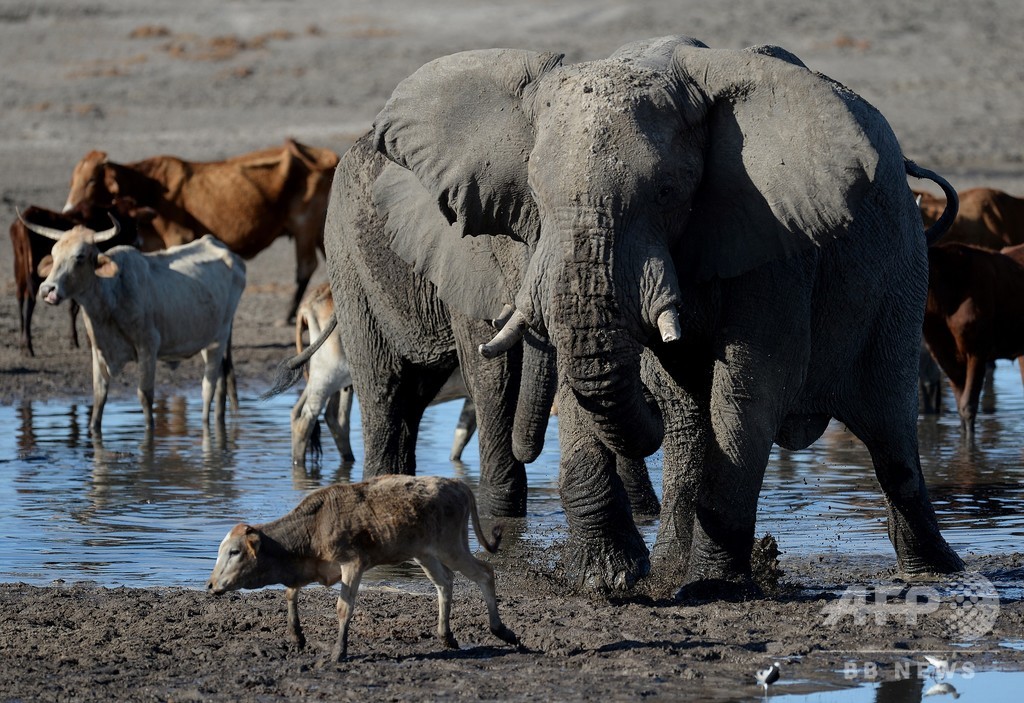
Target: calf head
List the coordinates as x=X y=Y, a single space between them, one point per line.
x=238 y=562
x=74 y=260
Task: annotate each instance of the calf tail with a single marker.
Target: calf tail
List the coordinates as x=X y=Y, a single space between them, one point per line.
x=496 y=531
x=943 y=224
x=290 y=370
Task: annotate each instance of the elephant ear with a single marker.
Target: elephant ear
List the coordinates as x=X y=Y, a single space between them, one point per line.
x=789 y=158
x=459 y=125
x=466 y=273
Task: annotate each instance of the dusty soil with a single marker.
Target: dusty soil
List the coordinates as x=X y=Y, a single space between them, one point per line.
x=207 y=80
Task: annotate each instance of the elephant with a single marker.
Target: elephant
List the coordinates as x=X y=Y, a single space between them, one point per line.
x=403 y=343
x=724 y=252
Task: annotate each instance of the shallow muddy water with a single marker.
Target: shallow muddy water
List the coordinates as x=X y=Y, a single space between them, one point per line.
x=121 y=514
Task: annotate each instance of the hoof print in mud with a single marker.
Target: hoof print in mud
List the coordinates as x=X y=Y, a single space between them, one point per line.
x=708 y=590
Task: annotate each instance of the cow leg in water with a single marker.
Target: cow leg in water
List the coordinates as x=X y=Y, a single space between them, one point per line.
x=214 y=383
x=967 y=401
x=339 y=421
x=147 y=381
x=350 y=576
x=100 y=382
x=28 y=305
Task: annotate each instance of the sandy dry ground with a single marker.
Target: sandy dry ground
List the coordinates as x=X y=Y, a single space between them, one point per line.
x=207 y=80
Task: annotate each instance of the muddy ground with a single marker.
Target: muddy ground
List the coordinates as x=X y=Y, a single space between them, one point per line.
x=208 y=80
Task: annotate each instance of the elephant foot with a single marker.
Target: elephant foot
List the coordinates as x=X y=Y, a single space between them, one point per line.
x=604 y=566
x=941 y=559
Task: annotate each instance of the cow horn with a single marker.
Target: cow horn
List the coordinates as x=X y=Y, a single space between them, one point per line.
x=49 y=232
x=107 y=234
x=507 y=337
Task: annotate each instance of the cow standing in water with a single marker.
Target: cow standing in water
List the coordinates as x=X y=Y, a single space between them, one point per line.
x=246 y=202
x=167 y=305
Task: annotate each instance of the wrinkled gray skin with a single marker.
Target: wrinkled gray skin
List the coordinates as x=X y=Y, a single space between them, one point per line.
x=766 y=203
x=403 y=342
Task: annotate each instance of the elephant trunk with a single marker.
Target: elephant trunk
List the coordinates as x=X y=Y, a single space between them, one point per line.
x=599 y=347
x=536 y=395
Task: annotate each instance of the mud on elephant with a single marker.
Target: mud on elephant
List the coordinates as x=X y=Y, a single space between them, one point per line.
x=744 y=218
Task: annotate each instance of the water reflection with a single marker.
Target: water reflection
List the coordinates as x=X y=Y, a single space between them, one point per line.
x=121 y=510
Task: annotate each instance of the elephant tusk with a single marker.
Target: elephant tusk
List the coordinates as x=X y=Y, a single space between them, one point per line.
x=668 y=325
x=506 y=338
x=503 y=316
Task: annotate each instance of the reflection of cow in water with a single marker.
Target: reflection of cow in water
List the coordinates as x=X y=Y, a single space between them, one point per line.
x=246 y=202
x=974 y=315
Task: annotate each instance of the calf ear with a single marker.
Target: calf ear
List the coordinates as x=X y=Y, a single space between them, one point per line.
x=252 y=540
x=105 y=266
x=44 y=267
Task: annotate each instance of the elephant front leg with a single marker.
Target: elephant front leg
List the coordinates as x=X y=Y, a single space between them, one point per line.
x=493 y=385
x=605 y=551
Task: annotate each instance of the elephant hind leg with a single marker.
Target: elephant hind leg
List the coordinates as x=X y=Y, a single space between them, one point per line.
x=913 y=527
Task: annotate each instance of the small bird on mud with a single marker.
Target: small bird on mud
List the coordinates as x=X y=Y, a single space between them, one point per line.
x=941 y=689
x=766 y=677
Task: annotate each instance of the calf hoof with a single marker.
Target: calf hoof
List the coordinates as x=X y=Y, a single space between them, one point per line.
x=449 y=641
x=505 y=635
x=299 y=641
x=338 y=655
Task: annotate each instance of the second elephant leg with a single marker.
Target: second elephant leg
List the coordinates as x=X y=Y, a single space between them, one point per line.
x=605 y=551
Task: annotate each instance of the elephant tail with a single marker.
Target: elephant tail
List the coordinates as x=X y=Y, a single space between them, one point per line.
x=943 y=224
x=290 y=370
x=490 y=546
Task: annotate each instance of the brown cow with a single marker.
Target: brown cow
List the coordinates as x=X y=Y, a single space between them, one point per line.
x=338 y=532
x=987 y=218
x=247 y=201
x=974 y=315
x=30 y=249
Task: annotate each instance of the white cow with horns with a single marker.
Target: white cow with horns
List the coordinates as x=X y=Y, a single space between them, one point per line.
x=166 y=305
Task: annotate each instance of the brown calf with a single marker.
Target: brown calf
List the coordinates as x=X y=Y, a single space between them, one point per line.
x=338 y=532
x=247 y=201
x=30 y=249
x=974 y=315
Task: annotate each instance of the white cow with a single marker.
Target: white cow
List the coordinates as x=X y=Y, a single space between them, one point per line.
x=329 y=384
x=167 y=305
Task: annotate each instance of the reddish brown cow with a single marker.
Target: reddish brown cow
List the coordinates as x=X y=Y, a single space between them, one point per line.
x=30 y=249
x=975 y=315
x=247 y=201
x=987 y=218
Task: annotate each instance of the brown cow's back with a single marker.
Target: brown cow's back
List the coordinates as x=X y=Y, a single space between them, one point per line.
x=987 y=218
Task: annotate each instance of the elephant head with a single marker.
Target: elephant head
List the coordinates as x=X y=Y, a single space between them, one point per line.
x=625 y=181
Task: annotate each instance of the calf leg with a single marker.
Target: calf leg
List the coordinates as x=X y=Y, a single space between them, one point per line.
x=441 y=576
x=304 y=418
x=294 y=628
x=483 y=575
x=350 y=576
x=464 y=430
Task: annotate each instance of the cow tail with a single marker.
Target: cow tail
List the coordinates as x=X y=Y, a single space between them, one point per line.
x=943 y=224
x=496 y=531
x=289 y=371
